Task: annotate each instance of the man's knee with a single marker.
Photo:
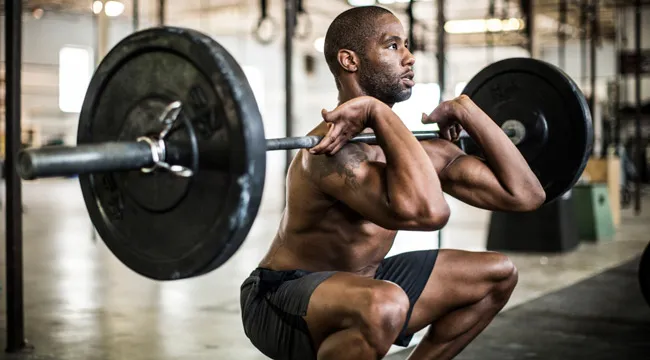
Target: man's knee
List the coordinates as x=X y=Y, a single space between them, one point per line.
x=384 y=309
x=503 y=274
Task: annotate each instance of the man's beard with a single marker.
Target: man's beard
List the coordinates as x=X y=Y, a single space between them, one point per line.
x=387 y=89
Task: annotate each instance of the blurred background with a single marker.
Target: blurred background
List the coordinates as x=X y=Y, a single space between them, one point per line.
x=80 y=302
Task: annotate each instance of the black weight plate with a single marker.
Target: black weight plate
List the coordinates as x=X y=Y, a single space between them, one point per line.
x=644 y=274
x=162 y=226
x=538 y=93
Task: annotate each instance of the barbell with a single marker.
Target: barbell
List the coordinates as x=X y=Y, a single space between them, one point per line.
x=171 y=152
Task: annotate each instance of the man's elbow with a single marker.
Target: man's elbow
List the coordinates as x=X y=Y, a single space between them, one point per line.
x=436 y=217
x=530 y=200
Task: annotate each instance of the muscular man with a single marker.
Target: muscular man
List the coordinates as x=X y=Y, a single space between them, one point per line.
x=325 y=289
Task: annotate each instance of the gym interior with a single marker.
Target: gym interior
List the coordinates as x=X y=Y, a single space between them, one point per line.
x=584 y=280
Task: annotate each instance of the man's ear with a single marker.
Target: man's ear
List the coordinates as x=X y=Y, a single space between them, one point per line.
x=348 y=60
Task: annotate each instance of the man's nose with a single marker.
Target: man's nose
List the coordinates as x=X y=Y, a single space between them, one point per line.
x=409 y=60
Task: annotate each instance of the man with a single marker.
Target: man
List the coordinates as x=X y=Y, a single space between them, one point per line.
x=324 y=290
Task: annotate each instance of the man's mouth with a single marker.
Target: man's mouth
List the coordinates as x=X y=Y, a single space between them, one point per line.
x=408 y=79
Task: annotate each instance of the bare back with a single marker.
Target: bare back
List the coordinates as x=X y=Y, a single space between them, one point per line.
x=319 y=232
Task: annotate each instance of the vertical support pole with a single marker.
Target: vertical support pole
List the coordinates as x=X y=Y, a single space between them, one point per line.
x=562 y=34
x=412 y=40
x=529 y=16
x=637 y=88
x=583 y=41
x=289 y=27
x=136 y=15
x=102 y=35
x=593 y=12
x=617 y=77
x=14 y=219
x=161 y=12
x=442 y=43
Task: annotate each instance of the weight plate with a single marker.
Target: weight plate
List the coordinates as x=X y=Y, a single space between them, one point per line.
x=559 y=131
x=162 y=226
x=644 y=274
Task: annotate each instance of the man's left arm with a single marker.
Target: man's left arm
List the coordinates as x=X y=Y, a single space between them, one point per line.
x=503 y=180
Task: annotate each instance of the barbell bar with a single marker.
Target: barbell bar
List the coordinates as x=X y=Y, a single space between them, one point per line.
x=55 y=161
x=171 y=152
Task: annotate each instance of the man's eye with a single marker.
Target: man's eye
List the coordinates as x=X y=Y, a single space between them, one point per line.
x=393 y=46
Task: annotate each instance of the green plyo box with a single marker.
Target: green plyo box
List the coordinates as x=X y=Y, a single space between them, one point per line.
x=593 y=212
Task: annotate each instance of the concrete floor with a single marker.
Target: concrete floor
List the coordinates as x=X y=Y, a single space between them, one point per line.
x=81 y=303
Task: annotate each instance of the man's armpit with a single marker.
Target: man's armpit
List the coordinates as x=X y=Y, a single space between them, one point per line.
x=344 y=163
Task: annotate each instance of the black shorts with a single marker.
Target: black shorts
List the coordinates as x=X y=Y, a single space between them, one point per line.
x=274 y=302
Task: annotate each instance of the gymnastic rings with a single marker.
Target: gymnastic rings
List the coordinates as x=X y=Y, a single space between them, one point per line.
x=265 y=30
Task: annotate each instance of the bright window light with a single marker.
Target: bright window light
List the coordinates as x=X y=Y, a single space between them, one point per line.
x=483 y=25
x=256 y=80
x=75 y=71
x=319 y=44
x=114 y=8
x=361 y=2
x=459 y=88
x=424 y=98
x=97 y=6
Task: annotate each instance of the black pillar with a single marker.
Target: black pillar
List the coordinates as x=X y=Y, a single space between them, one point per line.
x=583 y=41
x=562 y=34
x=14 y=237
x=136 y=15
x=161 y=12
x=289 y=27
x=527 y=7
x=441 y=47
x=593 y=16
x=637 y=88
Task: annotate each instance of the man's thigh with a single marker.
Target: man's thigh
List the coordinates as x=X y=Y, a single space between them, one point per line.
x=273 y=305
x=460 y=278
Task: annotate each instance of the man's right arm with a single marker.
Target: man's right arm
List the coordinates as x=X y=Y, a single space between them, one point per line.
x=402 y=194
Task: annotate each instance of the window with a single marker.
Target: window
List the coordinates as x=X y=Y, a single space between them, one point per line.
x=459 y=88
x=75 y=71
x=424 y=98
x=256 y=81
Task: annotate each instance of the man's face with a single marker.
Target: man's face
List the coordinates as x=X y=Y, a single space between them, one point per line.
x=385 y=71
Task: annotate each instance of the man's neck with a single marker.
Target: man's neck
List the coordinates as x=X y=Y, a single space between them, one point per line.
x=352 y=91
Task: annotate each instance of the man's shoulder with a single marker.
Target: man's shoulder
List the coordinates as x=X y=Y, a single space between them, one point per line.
x=349 y=157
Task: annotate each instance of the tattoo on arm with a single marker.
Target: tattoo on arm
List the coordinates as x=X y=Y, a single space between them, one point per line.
x=343 y=163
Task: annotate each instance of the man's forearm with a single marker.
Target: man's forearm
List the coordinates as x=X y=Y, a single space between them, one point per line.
x=411 y=178
x=505 y=160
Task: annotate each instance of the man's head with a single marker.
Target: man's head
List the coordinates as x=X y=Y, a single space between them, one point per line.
x=366 y=49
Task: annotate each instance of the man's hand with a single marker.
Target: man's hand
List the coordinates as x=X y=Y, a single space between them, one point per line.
x=449 y=116
x=345 y=122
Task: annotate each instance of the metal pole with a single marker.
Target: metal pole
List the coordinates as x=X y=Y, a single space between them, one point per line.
x=562 y=34
x=161 y=12
x=14 y=237
x=136 y=15
x=289 y=27
x=583 y=41
x=637 y=85
x=617 y=76
x=594 y=40
x=441 y=48
x=412 y=41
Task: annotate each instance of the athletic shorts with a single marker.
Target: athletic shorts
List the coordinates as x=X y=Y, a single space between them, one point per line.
x=273 y=303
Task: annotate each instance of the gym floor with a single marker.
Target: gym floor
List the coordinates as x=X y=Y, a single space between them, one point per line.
x=81 y=303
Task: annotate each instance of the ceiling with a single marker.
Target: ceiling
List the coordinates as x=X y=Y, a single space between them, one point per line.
x=321 y=12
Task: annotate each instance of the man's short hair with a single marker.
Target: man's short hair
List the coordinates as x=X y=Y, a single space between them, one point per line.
x=351 y=30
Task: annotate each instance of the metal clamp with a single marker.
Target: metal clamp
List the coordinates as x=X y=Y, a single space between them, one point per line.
x=158 y=149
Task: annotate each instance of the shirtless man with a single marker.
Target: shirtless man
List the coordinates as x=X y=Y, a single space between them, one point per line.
x=325 y=289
